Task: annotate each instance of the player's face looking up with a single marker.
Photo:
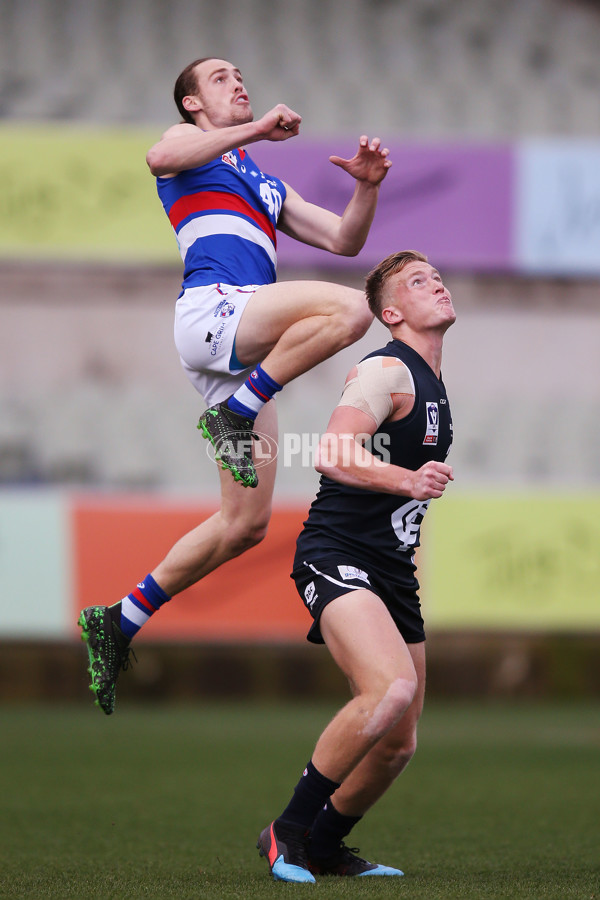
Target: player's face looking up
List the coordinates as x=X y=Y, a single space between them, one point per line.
x=221 y=99
x=417 y=296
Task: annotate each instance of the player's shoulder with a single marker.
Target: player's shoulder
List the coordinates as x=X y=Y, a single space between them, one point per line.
x=379 y=386
x=375 y=365
x=178 y=130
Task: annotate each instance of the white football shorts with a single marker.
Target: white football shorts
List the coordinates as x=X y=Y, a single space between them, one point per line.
x=206 y=322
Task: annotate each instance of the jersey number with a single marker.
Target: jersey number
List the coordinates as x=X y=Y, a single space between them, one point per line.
x=406 y=522
x=271 y=198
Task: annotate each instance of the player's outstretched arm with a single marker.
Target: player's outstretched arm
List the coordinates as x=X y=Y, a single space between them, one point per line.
x=344 y=235
x=185 y=146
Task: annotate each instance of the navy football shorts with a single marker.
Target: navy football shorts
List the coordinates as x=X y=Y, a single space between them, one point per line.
x=321 y=580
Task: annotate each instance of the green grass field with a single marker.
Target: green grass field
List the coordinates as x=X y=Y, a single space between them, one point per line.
x=167 y=802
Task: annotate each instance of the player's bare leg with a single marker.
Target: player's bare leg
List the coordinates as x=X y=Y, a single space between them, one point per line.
x=366 y=645
x=240 y=523
x=328 y=854
x=377 y=771
x=290 y=327
x=287 y=328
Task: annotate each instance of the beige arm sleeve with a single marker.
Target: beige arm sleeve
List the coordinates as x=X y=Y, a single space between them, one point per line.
x=377 y=378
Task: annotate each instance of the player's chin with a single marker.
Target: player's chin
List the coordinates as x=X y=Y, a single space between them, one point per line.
x=242 y=114
x=448 y=318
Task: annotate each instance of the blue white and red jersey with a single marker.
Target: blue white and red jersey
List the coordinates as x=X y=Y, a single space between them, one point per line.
x=225 y=217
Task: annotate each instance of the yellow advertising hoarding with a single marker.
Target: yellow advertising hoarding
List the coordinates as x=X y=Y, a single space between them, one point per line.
x=522 y=561
x=81 y=193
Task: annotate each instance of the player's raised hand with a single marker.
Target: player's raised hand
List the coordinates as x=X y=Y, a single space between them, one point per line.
x=370 y=163
x=430 y=480
x=279 y=124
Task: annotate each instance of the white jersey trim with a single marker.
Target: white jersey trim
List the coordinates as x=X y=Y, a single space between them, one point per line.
x=344 y=584
x=213 y=226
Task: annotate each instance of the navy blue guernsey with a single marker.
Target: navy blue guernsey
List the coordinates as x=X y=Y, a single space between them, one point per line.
x=373 y=527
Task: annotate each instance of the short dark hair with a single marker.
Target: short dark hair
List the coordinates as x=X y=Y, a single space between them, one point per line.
x=186 y=84
x=377 y=277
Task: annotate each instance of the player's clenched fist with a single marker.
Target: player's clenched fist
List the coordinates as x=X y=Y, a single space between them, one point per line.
x=430 y=480
x=279 y=124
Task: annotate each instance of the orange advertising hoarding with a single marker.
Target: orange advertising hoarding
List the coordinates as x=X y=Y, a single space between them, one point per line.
x=117 y=542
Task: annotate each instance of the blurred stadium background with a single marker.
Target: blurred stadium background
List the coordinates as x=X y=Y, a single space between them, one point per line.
x=492 y=114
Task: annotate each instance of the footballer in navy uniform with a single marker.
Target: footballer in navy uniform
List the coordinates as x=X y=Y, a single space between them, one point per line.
x=355 y=537
x=382 y=460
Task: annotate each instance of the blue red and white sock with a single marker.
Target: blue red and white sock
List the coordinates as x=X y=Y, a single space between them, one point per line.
x=257 y=390
x=137 y=607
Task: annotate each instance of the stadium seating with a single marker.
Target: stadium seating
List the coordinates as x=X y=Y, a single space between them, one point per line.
x=425 y=68
x=129 y=436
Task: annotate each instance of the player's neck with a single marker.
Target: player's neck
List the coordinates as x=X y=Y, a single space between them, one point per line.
x=427 y=344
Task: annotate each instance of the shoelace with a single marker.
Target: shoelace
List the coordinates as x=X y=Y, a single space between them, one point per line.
x=350 y=851
x=244 y=434
x=125 y=661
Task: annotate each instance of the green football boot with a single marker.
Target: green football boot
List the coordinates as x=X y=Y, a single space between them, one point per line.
x=231 y=436
x=108 y=649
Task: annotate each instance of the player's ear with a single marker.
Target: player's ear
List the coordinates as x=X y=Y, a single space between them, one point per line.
x=391 y=315
x=192 y=103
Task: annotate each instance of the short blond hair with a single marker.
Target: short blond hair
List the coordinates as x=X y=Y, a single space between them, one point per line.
x=378 y=277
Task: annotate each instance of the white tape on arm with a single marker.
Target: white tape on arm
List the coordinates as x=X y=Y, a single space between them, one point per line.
x=372 y=388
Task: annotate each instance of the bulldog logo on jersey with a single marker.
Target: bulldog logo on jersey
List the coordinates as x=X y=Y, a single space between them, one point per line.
x=224 y=309
x=230 y=158
x=433 y=422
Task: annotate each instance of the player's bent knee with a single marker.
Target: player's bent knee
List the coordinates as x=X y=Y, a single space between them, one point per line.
x=401 y=694
x=359 y=327
x=247 y=534
x=391 y=707
x=350 y=310
x=357 y=317
x=396 y=755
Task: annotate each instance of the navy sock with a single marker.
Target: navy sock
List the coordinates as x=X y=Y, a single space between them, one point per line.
x=329 y=829
x=311 y=792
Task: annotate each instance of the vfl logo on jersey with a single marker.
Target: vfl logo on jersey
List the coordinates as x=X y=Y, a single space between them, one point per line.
x=349 y=573
x=310 y=594
x=433 y=422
